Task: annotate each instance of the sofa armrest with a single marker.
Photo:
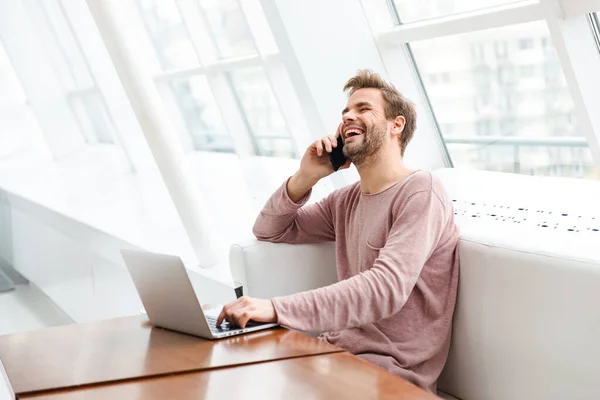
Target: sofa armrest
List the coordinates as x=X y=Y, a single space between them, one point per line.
x=266 y=270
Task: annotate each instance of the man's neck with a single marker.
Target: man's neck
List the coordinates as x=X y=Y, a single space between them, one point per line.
x=381 y=171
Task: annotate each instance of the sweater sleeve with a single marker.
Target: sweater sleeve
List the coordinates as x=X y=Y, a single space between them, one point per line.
x=381 y=291
x=282 y=220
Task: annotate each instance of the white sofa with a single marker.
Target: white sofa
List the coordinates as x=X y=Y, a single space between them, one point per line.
x=527 y=321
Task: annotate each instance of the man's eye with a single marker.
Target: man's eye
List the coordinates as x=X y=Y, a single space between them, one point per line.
x=364 y=109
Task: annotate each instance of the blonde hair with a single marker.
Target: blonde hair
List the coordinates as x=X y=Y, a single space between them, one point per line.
x=396 y=103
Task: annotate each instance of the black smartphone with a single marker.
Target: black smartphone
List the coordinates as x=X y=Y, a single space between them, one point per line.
x=337 y=156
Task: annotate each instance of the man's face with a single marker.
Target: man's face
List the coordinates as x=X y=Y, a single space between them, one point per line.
x=365 y=126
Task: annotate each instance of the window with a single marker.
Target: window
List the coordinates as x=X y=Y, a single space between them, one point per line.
x=81 y=91
x=168 y=34
x=491 y=100
x=229 y=110
x=525 y=44
x=92 y=116
x=484 y=127
x=478 y=53
x=410 y=11
x=483 y=102
x=527 y=71
x=263 y=114
x=200 y=114
x=501 y=49
x=219 y=76
x=229 y=28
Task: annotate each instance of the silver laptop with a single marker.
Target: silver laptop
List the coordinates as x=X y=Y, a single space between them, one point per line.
x=169 y=297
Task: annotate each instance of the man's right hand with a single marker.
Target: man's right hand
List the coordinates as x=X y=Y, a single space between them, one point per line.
x=315 y=165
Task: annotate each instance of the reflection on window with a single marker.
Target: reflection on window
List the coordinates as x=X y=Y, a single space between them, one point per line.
x=506 y=105
x=201 y=115
x=410 y=10
x=262 y=112
x=229 y=27
x=168 y=33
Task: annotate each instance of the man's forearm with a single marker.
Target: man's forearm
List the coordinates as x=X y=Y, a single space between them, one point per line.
x=281 y=219
x=298 y=186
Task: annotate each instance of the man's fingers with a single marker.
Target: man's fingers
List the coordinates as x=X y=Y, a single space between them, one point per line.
x=327 y=144
x=333 y=140
x=243 y=317
x=225 y=312
x=221 y=317
x=339 y=129
x=233 y=312
x=319 y=147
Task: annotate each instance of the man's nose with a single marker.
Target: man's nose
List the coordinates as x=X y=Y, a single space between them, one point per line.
x=349 y=116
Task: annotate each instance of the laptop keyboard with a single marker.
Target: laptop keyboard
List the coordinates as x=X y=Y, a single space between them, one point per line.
x=212 y=323
x=226 y=326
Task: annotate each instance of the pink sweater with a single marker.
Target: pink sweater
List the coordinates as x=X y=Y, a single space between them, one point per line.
x=397 y=262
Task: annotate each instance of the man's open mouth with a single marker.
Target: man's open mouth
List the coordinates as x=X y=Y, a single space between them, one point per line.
x=350 y=132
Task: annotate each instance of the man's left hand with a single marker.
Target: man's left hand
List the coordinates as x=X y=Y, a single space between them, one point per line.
x=244 y=309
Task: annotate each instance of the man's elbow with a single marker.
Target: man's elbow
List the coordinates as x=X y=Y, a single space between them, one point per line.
x=270 y=236
x=261 y=233
x=258 y=234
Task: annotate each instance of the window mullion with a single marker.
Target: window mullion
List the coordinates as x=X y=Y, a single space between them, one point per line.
x=580 y=61
x=233 y=115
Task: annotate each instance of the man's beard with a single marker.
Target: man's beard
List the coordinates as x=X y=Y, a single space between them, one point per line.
x=372 y=141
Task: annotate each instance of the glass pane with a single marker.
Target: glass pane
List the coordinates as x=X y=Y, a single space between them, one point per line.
x=261 y=110
x=93 y=117
x=201 y=114
x=67 y=45
x=229 y=27
x=502 y=102
x=273 y=147
x=168 y=33
x=410 y=10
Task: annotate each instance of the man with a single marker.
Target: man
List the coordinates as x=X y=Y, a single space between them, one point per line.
x=396 y=243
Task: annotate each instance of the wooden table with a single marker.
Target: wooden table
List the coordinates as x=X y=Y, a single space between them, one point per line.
x=128 y=358
x=129 y=348
x=331 y=376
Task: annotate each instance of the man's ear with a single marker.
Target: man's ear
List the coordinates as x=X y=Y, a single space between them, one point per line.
x=398 y=125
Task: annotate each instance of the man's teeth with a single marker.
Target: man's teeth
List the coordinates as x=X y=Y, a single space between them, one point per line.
x=352 y=132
